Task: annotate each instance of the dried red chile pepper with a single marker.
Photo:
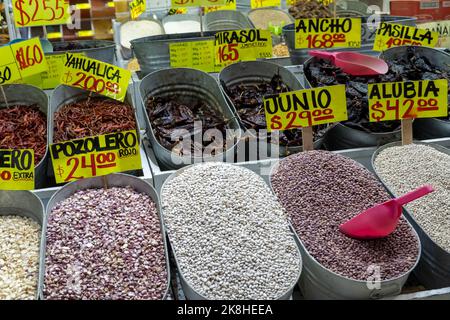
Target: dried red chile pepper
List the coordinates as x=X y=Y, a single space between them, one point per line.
x=24 y=127
x=92 y=117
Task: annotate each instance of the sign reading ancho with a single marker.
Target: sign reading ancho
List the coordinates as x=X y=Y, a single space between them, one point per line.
x=305 y=108
x=95 y=156
x=16 y=169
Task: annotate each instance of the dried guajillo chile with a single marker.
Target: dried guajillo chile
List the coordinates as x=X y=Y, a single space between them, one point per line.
x=173 y=120
x=91 y=117
x=24 y=127
x=248 y=100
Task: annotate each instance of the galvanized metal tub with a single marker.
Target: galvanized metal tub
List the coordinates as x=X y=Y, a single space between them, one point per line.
x=112 y=180
x=320 y=283
x=226 y=20
x=23 y=94
x=425 y=128
x=252 y=72
x=23 y=204
x=289 y=18
x=433 y=270
x=188 y=289
x=190 y=84
x=64 y=95
x=345 y=137
x=102 y=50
x=153 y=53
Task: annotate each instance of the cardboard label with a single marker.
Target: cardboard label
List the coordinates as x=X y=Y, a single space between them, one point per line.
x=40 y=12
x=95 y=156
x=328 y=33
x=264 y=3
x=390 y=35
x=96 y=76
x=442 y=28
x=16 y=169
x=137 y=7
x=407 y=100
x=306 y=108
x=198 y=55
x=85 y=33
x=196 y=3
x=242 y=45
x=230 y=5
x=21 y=60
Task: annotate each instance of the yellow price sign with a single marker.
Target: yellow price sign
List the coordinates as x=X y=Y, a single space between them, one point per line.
x=137 y=7
x=325 y=33
x=21 y=60
x=390 y=35
x=198 y=55
x=241 y=45
x=96 y=76
x=408 y=100
x=16 y=169
x=40 y=12
x=306 y=108
x=95 y=156
x=441 y=27
x=254 y=4
x=196 y=3
x=230 y=5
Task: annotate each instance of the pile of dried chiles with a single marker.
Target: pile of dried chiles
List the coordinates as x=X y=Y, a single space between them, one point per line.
x=248 y=100
x=24 y=127
x=173 y=121
x=411 y=66
x=72 y=45
x=305 y=9
x=91 y=117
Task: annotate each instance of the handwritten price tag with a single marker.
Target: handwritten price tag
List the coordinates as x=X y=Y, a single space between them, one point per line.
x=95 y=156
x=306 y=108
x=196 y=3
x=393 y=35
x=242 y=45
x=197 y=55
x=17 y=169
x=137 y=7
x=264 y=3
x=96 y=76
x=328 y=33
x=21 y=60
x=442 y=28
x=407 y=100
x=28 y=13
x=230 y=5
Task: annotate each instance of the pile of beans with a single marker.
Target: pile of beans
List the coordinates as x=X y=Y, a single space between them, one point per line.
x=92 y=117
x=321 y=190
x=229 y=233
x=105 y=244
x=405 y=168
x=19 y=257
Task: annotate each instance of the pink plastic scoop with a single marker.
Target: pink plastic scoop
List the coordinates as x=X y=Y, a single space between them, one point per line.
x=355 y=64
x=382 y=219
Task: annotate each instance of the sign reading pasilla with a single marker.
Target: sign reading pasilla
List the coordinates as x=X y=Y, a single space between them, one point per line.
x=242 y=45
x=16 y=169
x=95 y=156
x=96 y=76
x=305 y=108
x=393 y=35
x=40 y=12
x=408 y=100
x=324 y=33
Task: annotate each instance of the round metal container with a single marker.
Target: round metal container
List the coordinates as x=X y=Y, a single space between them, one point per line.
x=433 y=270
x=191 y=84
x=23 y=94
x=253 y=12
x=188 y=289
x=24 y=204
x=102 y=50
x=320 y=283
x=252 y=72
x=226 y=20
x=425 y=128
x=112 y=180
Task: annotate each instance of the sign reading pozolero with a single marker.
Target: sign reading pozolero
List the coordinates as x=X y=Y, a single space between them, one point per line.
x=407 y=100
x=16 y=169
x=95 y=156
x=305 y=108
